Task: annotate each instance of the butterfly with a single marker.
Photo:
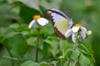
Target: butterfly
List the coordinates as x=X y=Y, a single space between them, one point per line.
x=61 y=22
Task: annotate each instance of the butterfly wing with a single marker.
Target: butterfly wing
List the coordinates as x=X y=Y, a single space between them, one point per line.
x=61 y=22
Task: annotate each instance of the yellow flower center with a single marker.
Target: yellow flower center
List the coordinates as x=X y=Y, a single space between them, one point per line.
x=78 y=25
x=36 y=17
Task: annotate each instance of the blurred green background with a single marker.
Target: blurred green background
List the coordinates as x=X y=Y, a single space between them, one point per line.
x=15 y=16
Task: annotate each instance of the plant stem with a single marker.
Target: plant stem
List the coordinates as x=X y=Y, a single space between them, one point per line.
x=61 y=62
x=37 y=46
x=37 y=50
x=12 y=62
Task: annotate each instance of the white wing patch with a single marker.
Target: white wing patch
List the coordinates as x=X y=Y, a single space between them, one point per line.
x=56 y=17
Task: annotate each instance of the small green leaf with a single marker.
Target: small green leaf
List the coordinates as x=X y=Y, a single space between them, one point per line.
x=75 y=54
x=44 y=64
x=32 y=41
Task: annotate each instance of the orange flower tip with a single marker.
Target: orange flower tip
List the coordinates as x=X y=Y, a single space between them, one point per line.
x=77 y=25
x=36 y=17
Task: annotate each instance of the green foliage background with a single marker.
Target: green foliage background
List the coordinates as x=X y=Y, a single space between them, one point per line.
x=18 y=43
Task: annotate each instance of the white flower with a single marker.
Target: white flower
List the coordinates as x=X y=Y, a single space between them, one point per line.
x=42 y=21
x=75 y=30
x=37 y=18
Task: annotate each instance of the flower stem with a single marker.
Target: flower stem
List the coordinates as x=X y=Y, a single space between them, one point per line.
x=12 y=62
x=37 y=50
x=61 y=62
x=76 y=45
x=37 y=46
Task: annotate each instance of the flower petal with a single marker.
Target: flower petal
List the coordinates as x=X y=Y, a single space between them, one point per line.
x=74 y=37
x=75 y=29
x=83 y=32
x=70 y=23
x=42 y=21
x=68 y=33
x=31 y=24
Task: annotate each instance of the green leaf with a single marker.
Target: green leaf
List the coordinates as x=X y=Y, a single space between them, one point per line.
x=44 y=64
x=84 y=61
x=16 y=45
x=53 y=46
x=32 y=41
x=14 y=26
x=75 y=54
x=31 y=3
x=85 y=49
x=54 y=63
x=66 y=63
x=29 y=63
x=27 y=13
x=52 y=4
x=45 y=51
x=7 y=13
x=10 y=34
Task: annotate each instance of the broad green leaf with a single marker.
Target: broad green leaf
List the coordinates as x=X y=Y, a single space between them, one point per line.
x=28 y=13
x=52 y=4
x=10 y=34
x=29 y=63
x=84 y=61
x=7 y=13
x=30 y=3
x=16 y=45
